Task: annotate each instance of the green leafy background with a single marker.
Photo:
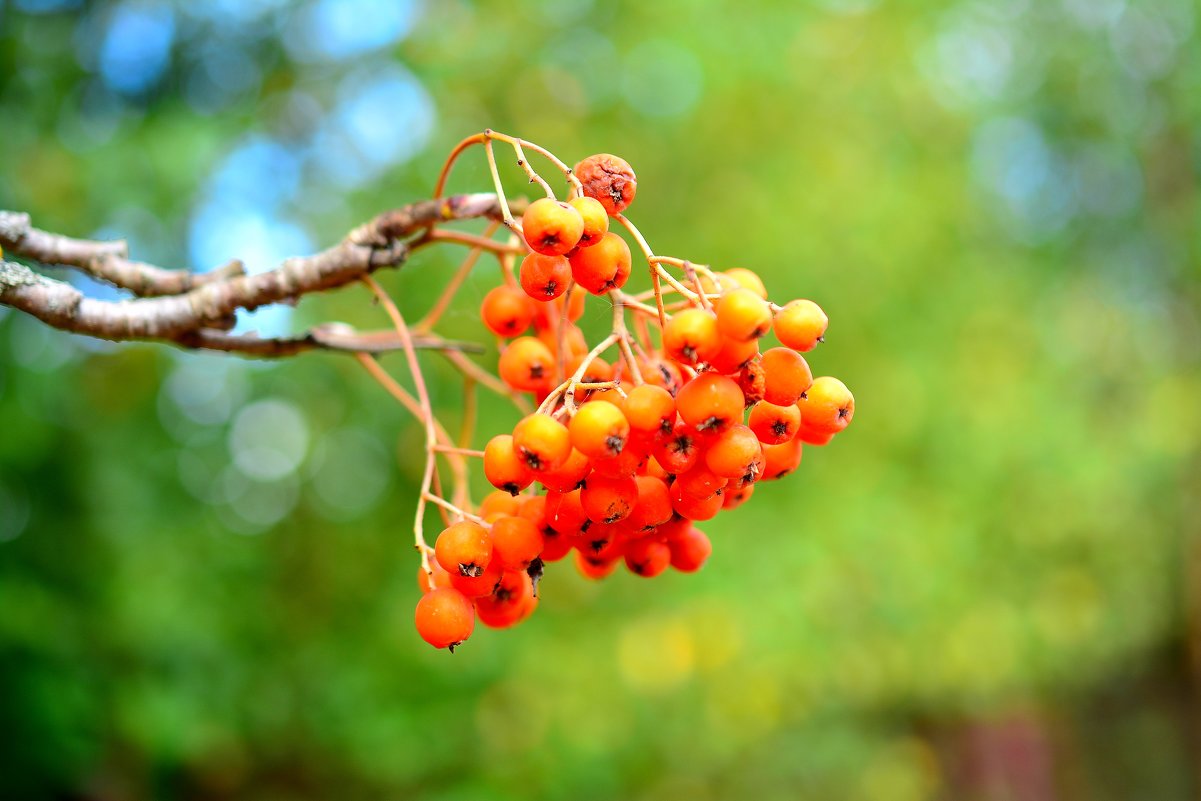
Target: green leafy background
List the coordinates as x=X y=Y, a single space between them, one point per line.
x=985 y=589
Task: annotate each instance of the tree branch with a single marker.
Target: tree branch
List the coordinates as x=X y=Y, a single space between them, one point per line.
x=185 y=308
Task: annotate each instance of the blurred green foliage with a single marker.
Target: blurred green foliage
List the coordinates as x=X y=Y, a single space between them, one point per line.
x=981 y=589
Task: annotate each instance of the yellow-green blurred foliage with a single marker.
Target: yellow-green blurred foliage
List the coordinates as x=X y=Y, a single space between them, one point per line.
x=981 y=589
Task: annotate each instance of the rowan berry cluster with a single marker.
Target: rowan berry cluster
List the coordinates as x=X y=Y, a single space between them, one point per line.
x=621 y=457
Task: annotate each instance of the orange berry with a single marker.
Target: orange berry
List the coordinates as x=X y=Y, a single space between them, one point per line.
x=700 y=482
x=747 y=280
x=656 y=371
x=601 y=541
x=499 y=502
x=801 y=324
x=437 y=577
x=827 y=405
x=649 y=409
x=516 y=541
x=575 y=345
x=780 y=460
x=653 y=507
x=548 y=315
x=464 y=548
x=568 y=475
x=679 y=450
x=504 y=467
x=607 y=500
x=444 y=618
x=647 y=557
x=544 y=278
x=692 y=508
x=506 y=311
x=599 y=430
x=594 y=568
x=598 y=371
x=609 y=179
x=812 y=436
x=737 y=496
x=475 y=586
x=629 y=462
x=551 y=227
x=710 y=402
x=743 y=315
x=691 y=336
x=690 y=550
x=786 y=376
x=603 y=266
x=527 y=364
x=774 y=424
x=511 y=602
x=542 y=442
x=596 y=219
x=736 y=453
x=752 y=380
x=568 y=515
x=734 y=355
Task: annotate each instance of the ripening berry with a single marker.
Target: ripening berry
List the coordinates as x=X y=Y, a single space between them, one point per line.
x=572 y=340
x=812 y=436
x=774 y=424
x=568 y=515
x=692 y=508
x=568 y=475
x=598 y=371
x=548 y=315
x=604 y=266
x=607 y=500
x=710 y=402
x=544 y=278
x=738 y=495
x=551 y=227
x=511 y=602
x=700 y=482
x=690 y=550
x=542 y=442
x=752 y=380
x=742 y=315
x=527 y=364
x=736 y=453
x=679 y=450
x=649 y=409
x=647 y=557
x=734 y=355
x=609 y=179
x=503 y=467
x=594 y=568
x=499 y=502
x=516 y=542
x=437 y=577
x=629 y=462
x=600 y=542
x=596 y=219
x=691 y=336
x=780 y=460
x=475 y=586
x=506 y=311
x=786 y=376
x=800 y=325
x=445 y=618
x=747 y=280
x=653 y=507
x=827 y=405
x=464 y=548
x=599 y=430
